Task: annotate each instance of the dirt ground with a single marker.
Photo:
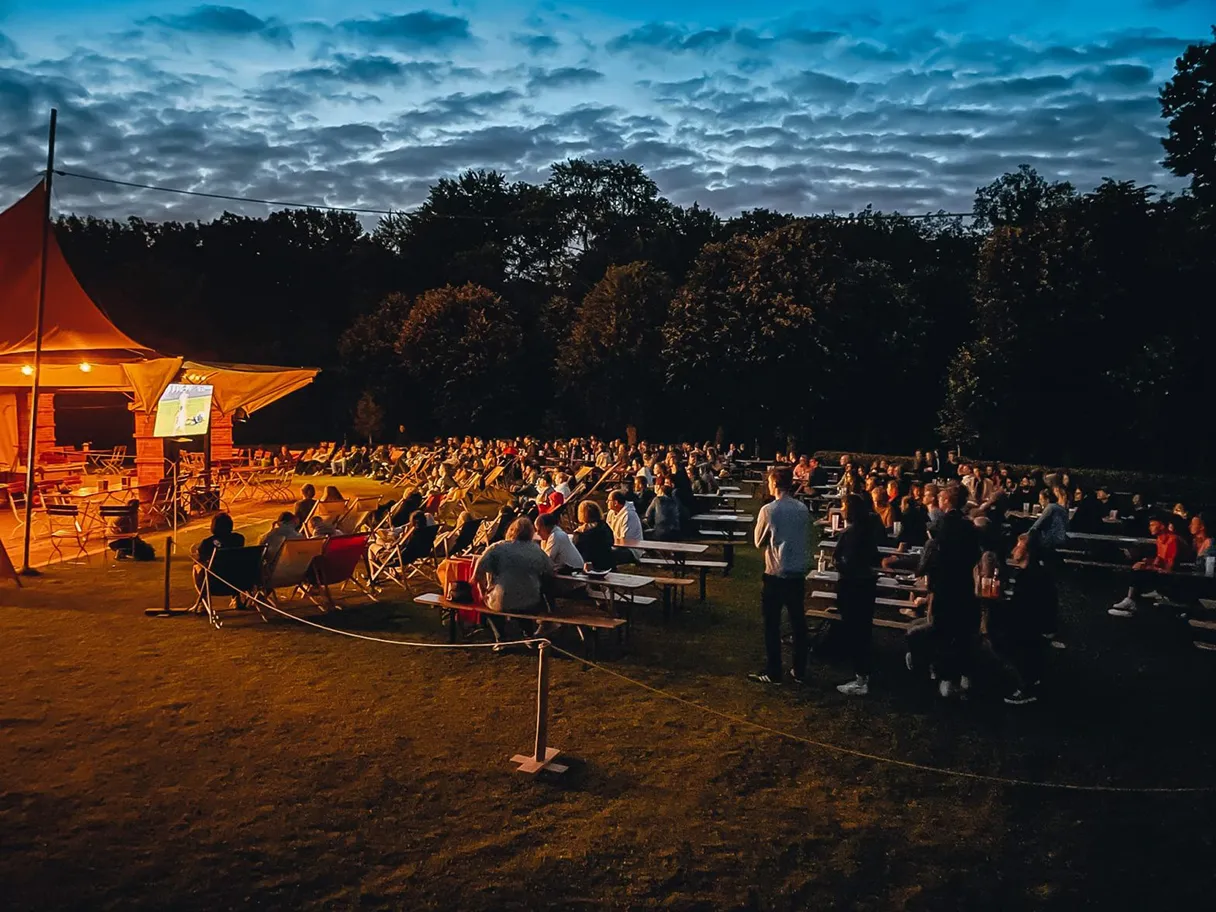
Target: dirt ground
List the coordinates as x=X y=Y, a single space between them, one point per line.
x=158 y=763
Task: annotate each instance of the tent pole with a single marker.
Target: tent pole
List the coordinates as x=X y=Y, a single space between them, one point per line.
x=31 y=453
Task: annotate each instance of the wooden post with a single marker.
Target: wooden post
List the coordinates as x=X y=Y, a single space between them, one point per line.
x=543 y=755
x=31 y=451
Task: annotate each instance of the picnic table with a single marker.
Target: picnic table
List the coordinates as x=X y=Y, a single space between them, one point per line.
x=615 y=589
x=723 y=496
x=676 y=554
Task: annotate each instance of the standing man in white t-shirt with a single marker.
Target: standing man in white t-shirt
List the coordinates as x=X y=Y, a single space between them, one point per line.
x=782 y=531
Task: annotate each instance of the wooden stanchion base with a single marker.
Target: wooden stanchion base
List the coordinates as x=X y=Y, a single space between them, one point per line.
x=166 y=612
x=532 y=765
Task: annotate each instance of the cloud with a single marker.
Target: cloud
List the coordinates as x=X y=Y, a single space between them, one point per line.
x=410 y=31
x=8 y=48
x=802 y=119
x=355 y=70
x=562 y=78
x=225 y=21
x=536 y=44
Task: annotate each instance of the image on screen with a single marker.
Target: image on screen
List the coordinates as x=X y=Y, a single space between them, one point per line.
x=184 y=410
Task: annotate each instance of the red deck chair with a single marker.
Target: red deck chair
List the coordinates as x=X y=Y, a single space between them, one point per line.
x=336 y=565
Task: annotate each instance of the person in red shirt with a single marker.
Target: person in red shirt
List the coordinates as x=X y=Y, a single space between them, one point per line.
x=1147 y=572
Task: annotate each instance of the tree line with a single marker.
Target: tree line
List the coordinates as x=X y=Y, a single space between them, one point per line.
x=1052 y=325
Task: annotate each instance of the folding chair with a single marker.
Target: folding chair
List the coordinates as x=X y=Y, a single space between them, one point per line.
x=340 y=556
x=354 y=522
x=64 y=524
x=232 y=572
x=391 y=563
x=329 y=511
x=289 y=568
x=462 y=538
x=16 y=503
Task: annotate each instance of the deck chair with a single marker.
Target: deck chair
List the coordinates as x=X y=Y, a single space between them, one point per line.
x=329 y=511
x=340 y=557
x=233 y=573
x=290 y=567
x=354 y=522
x=64 y=525
x=391 y=563
x=460 y=539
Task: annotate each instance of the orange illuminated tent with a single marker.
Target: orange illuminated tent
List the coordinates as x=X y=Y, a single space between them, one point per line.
x=82 y=349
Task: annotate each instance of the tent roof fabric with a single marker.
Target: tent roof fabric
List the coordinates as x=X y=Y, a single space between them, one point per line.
x=77 y=335
x=237 y=386
x=71 y=321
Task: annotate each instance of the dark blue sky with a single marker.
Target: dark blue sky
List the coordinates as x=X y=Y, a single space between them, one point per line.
x=901 y=105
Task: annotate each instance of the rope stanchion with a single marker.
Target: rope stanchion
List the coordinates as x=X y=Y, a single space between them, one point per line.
x=543 y=755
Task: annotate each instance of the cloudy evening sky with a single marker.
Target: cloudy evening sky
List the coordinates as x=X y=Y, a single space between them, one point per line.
x=902 y=105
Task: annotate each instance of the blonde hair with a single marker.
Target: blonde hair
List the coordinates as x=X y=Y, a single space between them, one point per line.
x=589 y=511
x=521 y=530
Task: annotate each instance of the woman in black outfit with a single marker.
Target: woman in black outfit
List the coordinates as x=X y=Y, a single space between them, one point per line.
x=856 y=559
x=593 y=538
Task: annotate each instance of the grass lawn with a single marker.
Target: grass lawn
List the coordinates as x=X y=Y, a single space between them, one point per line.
x=157 y=763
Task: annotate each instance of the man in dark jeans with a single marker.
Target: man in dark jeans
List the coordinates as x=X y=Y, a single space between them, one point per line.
x=782 y=533
x=952 y=626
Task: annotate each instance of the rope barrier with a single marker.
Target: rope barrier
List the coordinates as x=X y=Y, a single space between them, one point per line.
x=878 y=758
x=264 y=603
x=749 y=723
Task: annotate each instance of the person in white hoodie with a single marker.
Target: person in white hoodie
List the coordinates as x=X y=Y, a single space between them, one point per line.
x=625 y=524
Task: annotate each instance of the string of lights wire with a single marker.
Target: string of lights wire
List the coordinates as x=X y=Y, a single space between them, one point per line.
x=357 y=210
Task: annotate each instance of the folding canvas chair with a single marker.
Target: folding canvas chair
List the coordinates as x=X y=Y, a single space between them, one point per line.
x=64 y=524
x=340 y=556
x=234 y=573
x=354 y=522
x=392 y=563
x=460 y=539
x=329 y=511
x=289 y=568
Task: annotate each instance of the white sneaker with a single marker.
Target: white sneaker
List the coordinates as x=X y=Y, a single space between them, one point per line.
x=1020 y=698
x=964 y=683
x=908 y=660
x=1126 y=605
x=946 y=688
x=1056 y=644
x=1153 y=595
x=858 y=687
x=1121 y=612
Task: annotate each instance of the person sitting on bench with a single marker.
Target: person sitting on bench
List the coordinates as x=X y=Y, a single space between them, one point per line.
x=1148 y=571
x=593 y=538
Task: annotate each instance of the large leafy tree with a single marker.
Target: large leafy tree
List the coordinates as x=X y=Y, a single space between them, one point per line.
x=463 y=351
x=1188 y=102
x=1019 y=198
x=610 y=368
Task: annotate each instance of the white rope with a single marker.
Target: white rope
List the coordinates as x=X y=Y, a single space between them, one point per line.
x=360 y=636
x=892 y=761
x=749 y=723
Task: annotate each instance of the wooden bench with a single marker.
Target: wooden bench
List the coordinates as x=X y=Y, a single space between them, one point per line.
x=886 y=602
x=670 y=586
x=703 y=566
x=592 y=622
x=827 y=614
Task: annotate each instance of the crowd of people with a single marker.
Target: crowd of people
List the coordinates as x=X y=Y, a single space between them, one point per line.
x=964 y=530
